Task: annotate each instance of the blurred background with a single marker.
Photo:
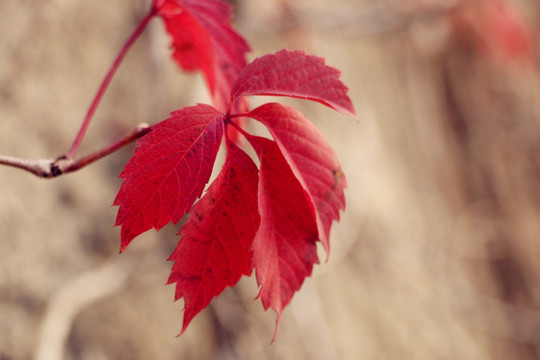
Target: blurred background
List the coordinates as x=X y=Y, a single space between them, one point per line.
x=436 y=256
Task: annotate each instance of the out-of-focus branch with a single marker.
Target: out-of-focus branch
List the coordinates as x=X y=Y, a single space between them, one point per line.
x=50 y=168
x=72 y=298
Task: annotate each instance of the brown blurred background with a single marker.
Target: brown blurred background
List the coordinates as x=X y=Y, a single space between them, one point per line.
x=435 y=256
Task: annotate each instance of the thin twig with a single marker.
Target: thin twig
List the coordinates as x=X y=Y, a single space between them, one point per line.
x=37 y=167
x=136 y=133
x=50 y=168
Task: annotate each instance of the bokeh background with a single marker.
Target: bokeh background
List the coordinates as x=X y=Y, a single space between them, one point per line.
x=436 y=256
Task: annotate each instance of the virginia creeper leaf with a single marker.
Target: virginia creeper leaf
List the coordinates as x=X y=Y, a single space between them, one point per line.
x=284 y=249
x=505 y=32
x=311 y=159
x=496 y=29
x=168 y=171
x=203 y=39
x=213 y=251
x=294 y=74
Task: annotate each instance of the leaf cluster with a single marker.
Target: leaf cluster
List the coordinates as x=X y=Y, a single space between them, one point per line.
x=265 y=218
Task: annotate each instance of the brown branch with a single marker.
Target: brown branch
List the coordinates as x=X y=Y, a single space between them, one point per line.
x=39 y=167
x=50 y=168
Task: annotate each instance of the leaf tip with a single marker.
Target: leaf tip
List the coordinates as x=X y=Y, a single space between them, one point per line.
x=278 y=321
x=184 y=327
x=188 y=316
x=347 y=107
x=124 y=242
x=126 y=237
x=353 y=114
x=185 y=324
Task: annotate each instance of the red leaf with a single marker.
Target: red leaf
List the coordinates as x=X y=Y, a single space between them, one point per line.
x=495 y=29
x=505 y=32
x=214 y=249
x=311 y=159
x=294 y=74
x=168 y=171
x=284 y=248
x=204 y=39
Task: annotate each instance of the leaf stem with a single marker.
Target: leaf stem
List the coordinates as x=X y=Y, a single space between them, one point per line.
x=228 y=121
x=105 y=83
x=133 y=135
x=238 y=115
x=50 y=168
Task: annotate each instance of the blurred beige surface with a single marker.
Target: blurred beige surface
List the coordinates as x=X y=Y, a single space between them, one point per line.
x=435 y=256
